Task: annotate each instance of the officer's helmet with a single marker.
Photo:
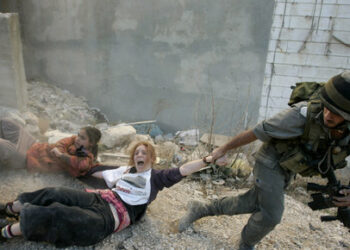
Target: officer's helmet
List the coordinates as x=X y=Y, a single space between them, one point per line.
x=336 y=95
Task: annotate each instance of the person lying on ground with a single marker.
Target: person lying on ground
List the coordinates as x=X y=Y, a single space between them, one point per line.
x=65 y=217
x=75 y=155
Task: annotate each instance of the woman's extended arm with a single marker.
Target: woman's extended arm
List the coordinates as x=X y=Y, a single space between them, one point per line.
x=196 y=165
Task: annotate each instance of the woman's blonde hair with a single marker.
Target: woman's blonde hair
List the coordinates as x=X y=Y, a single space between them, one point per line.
x=150 y=150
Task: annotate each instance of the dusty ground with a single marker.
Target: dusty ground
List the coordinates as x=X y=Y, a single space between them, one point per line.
x=300 y=228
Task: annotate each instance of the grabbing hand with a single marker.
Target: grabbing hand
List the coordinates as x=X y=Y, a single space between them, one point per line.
x=222 y=161
x=343 y=201
x=217 y=153
x=56 y=152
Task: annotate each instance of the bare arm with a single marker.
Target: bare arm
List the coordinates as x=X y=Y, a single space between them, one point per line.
x=239 y=140
x=196 y=165
x=98 y=174
x=76 y=166
x=64 y=157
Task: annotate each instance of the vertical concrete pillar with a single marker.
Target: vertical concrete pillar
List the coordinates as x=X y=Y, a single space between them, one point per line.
x=13 y=85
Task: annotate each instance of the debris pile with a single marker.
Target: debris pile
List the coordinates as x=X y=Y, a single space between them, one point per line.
x=54 y=114
x=63 y=110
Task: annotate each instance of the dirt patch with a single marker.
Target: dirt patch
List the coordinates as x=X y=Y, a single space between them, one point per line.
x=300 y=227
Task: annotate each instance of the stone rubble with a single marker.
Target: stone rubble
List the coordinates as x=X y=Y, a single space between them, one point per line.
x=117 y=136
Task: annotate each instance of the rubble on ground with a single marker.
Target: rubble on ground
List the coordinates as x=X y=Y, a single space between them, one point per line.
x=117 y=136
x=56 y=135
x=188 y=137
x=300 y=227
x=65 y=111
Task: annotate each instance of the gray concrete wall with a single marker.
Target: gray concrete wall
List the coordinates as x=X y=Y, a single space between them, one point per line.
x=163 y=60
x=12 y=81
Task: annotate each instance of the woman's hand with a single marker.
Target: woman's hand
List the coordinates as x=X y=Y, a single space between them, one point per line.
x=342 y=201
x=56 y=152
x=222 y=161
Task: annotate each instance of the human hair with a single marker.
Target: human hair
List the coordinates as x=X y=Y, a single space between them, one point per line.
x=150 y=150
x=94 y=136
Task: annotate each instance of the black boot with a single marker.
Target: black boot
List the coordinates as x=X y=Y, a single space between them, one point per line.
x=2 y=239
x=195 y=211
x=244 y=246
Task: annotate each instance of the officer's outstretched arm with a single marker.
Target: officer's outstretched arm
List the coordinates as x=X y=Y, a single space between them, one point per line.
x=239 y=140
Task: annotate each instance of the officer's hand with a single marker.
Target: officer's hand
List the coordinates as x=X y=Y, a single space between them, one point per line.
x=222 y=161
x=342 y=201
x=217 y=153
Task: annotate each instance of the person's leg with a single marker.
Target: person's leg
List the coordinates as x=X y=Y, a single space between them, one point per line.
x=269 y=183
x=8 y=231
x=66 y=196
x=9 y=155
x=14 y=143
x=10 y=130
x=66 y=225
x=241 y=204
x=46 y=196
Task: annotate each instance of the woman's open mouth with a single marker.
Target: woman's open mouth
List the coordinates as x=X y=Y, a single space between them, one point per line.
x=140 y=163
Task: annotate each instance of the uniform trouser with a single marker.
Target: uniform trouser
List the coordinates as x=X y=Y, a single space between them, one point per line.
x=64 y=217
x=14 y=143
x=265 y=201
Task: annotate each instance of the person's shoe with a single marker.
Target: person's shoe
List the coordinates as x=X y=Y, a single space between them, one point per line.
x=195 y=211
x=2 y=239
x=3 y=222
x=4 y=212
x=244 y=246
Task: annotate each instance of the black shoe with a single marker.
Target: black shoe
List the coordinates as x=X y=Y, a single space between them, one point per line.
x=244 y=246
x=2 y=239
x=3 y=223
x=4 y=213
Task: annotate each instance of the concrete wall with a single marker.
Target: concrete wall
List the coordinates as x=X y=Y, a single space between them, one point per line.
x=163 y=60
x=12 y=81
x=310 y=41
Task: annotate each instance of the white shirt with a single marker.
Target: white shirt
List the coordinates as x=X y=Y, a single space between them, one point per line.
x=132 y=188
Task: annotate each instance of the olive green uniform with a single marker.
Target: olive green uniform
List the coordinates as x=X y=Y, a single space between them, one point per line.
x=265 y=201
